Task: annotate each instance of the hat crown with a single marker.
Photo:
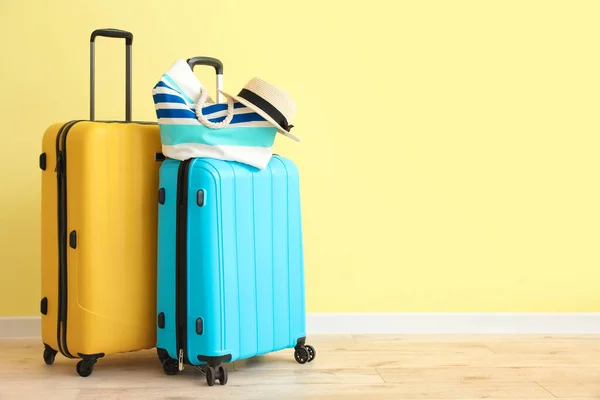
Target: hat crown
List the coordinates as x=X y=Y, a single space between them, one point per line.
x=275 y=96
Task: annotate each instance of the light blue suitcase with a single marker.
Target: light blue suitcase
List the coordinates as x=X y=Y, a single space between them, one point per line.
x=230 y=264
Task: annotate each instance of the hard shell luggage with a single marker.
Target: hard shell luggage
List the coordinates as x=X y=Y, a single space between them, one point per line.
x=99 y=232
x=230 y=264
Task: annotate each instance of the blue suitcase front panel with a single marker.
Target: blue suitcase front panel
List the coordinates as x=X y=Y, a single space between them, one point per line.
x=245 y=273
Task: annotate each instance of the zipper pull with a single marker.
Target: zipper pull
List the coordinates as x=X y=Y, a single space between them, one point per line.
x=181 y=359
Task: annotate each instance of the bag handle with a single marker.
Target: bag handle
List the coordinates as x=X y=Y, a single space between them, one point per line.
x=218 y=66
x=111 y=33
x=211 y=62
x=203 y=120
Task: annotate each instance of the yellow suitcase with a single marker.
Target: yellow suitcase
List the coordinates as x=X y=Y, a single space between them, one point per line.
x=99 y=232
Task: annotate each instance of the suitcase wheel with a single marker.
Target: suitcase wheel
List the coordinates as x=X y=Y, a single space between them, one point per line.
x=210 y=376
x=214 y=373
x=85 y=367
x=49 y=355
x=301 y=355
x=222 y=375
x=311 y=352
x=162 y=355
x=304 y=354
x=170 y=366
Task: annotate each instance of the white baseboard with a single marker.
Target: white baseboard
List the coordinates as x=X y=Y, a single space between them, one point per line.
x=402 y=323
x=20 y=327
x=454 y=323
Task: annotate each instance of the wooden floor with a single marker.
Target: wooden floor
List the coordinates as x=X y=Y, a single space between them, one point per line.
x=346 y=367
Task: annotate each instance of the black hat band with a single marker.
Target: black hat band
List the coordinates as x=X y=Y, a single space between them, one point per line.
x=267 y=107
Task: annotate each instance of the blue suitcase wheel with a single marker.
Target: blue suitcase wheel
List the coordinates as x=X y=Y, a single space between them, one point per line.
x=210 y=376
x=216 y=373
x=222 y=372
x=311 y=352
x=301 y=355
x=170 y=366
x=162 y=355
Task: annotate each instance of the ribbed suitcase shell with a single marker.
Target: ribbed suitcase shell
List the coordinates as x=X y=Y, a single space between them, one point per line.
x=244 y=260
x=110 y=280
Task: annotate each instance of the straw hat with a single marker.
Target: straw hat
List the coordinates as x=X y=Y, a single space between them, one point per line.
x=270 y=102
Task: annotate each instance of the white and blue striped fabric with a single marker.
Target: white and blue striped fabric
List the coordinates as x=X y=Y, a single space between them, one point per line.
x=248 y=138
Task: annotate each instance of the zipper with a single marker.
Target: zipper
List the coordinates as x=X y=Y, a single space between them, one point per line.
x=61 y=176
x=59 y=171
x=180 y=360
x=181 y=261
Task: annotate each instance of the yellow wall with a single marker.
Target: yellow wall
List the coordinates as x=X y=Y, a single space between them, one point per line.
x=450 y=151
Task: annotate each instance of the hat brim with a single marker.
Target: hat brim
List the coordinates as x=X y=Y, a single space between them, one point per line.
x=261 y=113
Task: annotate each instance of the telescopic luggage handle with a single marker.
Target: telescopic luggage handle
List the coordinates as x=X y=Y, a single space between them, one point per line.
x=112 y=33
x=211 y=62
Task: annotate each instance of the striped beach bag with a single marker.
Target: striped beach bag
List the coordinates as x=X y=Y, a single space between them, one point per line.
x=192 y=125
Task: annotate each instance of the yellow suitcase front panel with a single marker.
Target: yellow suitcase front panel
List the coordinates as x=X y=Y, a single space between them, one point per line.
x=112 y=184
